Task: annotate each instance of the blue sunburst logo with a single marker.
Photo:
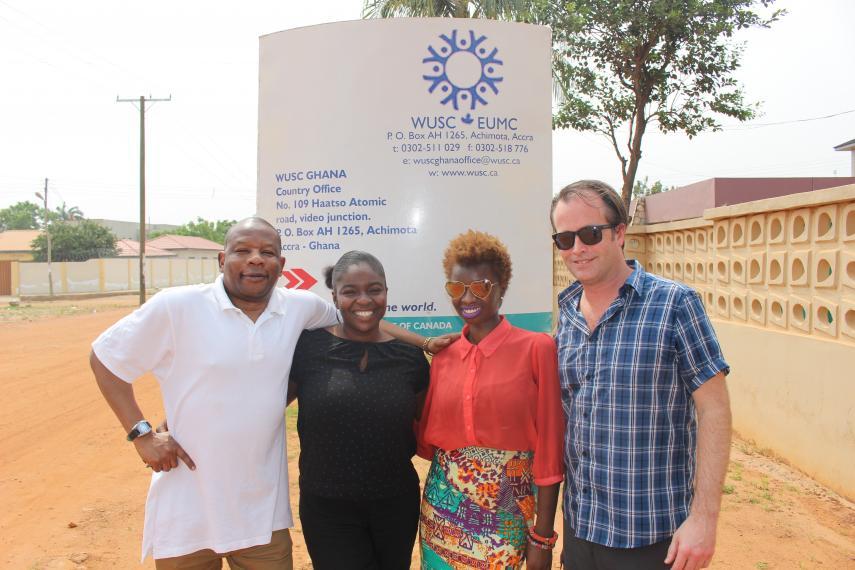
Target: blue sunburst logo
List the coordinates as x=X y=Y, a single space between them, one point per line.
x=463 y=70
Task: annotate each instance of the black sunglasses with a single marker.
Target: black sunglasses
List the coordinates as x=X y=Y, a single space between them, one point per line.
x=590 y=235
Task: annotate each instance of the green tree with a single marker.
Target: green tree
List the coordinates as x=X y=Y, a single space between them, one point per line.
x=76 y=242
x=519 y=10
x=214 y=231
x=623 y=65
x=21 y=216
x=66 y=214
x=643 y=188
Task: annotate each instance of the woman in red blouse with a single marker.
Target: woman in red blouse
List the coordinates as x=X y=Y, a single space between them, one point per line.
x=492 y=425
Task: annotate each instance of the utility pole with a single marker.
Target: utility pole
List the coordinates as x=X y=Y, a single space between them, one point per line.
x=142 y=101
x=47 y=235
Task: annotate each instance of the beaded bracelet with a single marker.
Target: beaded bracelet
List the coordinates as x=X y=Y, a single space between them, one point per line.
x=539 y=545
x=540 y=541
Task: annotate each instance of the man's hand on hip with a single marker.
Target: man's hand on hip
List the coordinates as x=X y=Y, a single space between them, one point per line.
x=693 y=545
x=161 y=452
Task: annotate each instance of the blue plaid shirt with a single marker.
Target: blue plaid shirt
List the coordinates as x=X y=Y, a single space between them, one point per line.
x=627 y=390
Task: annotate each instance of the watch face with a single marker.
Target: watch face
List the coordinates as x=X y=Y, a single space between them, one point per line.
x=140 y=428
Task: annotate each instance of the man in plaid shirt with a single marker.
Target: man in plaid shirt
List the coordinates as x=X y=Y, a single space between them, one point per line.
x=643 y=388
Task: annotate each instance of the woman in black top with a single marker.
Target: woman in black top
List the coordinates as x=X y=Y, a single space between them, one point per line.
x=359 y=391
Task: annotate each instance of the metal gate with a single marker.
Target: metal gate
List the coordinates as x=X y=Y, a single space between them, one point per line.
x=5 y=278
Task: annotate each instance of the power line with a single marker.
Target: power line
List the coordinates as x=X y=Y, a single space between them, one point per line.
x=790 y=122
x=100 y=72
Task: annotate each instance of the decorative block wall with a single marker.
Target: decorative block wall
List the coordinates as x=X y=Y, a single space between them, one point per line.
x=782 y=264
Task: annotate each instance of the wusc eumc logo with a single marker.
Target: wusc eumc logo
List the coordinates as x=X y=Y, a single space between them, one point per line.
x=464 y=70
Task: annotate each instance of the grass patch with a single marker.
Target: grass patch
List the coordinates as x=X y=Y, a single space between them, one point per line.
x=291 y=428
x=37 y=311
x=728 y=489
x=32 y=312
x=291 y=417
x=760 y=493
x=763 y=484
x=734 y=471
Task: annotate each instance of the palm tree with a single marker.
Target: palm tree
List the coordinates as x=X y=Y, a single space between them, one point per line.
x=66 y=214
x=514 y=10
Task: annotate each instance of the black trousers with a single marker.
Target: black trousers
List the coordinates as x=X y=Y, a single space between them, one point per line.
x=360 y=535
x=580 y=554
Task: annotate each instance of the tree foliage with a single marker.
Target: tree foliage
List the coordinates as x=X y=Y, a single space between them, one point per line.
x=31 y=216
x=66 y=214
x=21 y=216
x=76 y=242
x=214 y=231
x=643 y=188
x=518 y=10
x=620 y=66
x=623 y=65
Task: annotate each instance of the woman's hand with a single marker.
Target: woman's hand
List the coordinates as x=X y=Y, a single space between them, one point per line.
x=440 y=343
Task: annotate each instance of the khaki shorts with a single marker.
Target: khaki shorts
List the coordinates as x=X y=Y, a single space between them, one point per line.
x=273 y=556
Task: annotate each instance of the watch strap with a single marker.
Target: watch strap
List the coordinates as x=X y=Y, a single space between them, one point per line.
x=142 y=427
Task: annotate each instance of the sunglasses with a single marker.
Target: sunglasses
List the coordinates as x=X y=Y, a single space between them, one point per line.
x=481 y=289
x=590 y=235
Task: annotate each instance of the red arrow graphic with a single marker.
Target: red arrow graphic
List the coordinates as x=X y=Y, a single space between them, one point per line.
x=298 y=279
x=308 y=280
x=292 y=279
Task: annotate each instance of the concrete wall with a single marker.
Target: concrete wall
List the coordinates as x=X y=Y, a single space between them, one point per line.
x=778 y=280
x=109 y=275
x=81 y=276
x=160 y=275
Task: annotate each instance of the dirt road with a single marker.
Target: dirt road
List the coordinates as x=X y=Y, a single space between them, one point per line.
x=72 y=490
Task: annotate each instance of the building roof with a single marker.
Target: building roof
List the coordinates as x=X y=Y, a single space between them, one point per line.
x=131 y=248
x=131 y=230
x=848 y=145
x=691 y=201
x=172 y=242
x=18 y=240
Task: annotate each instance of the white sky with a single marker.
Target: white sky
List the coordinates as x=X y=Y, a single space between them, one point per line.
x=62 y=65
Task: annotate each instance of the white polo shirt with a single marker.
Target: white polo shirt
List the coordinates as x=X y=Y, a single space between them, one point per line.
x=223 y=380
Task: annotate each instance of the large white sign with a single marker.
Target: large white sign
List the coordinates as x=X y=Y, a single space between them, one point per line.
x=393 y=136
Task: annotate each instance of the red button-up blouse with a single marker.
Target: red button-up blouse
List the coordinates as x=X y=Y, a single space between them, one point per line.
x=501 y=393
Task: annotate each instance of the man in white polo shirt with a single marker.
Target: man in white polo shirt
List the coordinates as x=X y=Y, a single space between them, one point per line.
x=221 y=353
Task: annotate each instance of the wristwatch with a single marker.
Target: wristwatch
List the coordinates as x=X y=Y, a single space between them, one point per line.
x=142 y=427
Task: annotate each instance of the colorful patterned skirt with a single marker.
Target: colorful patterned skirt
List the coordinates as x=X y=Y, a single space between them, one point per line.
x=476 y=510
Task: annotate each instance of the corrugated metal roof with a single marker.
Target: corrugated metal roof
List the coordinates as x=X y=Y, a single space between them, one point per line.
x=131 y=248
x=171 y=241
x=848 y=145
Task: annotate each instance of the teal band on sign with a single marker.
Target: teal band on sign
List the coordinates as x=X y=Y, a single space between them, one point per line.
x=435 y=326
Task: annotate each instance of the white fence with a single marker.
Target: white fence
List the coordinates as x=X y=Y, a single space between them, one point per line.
x=110 y=275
